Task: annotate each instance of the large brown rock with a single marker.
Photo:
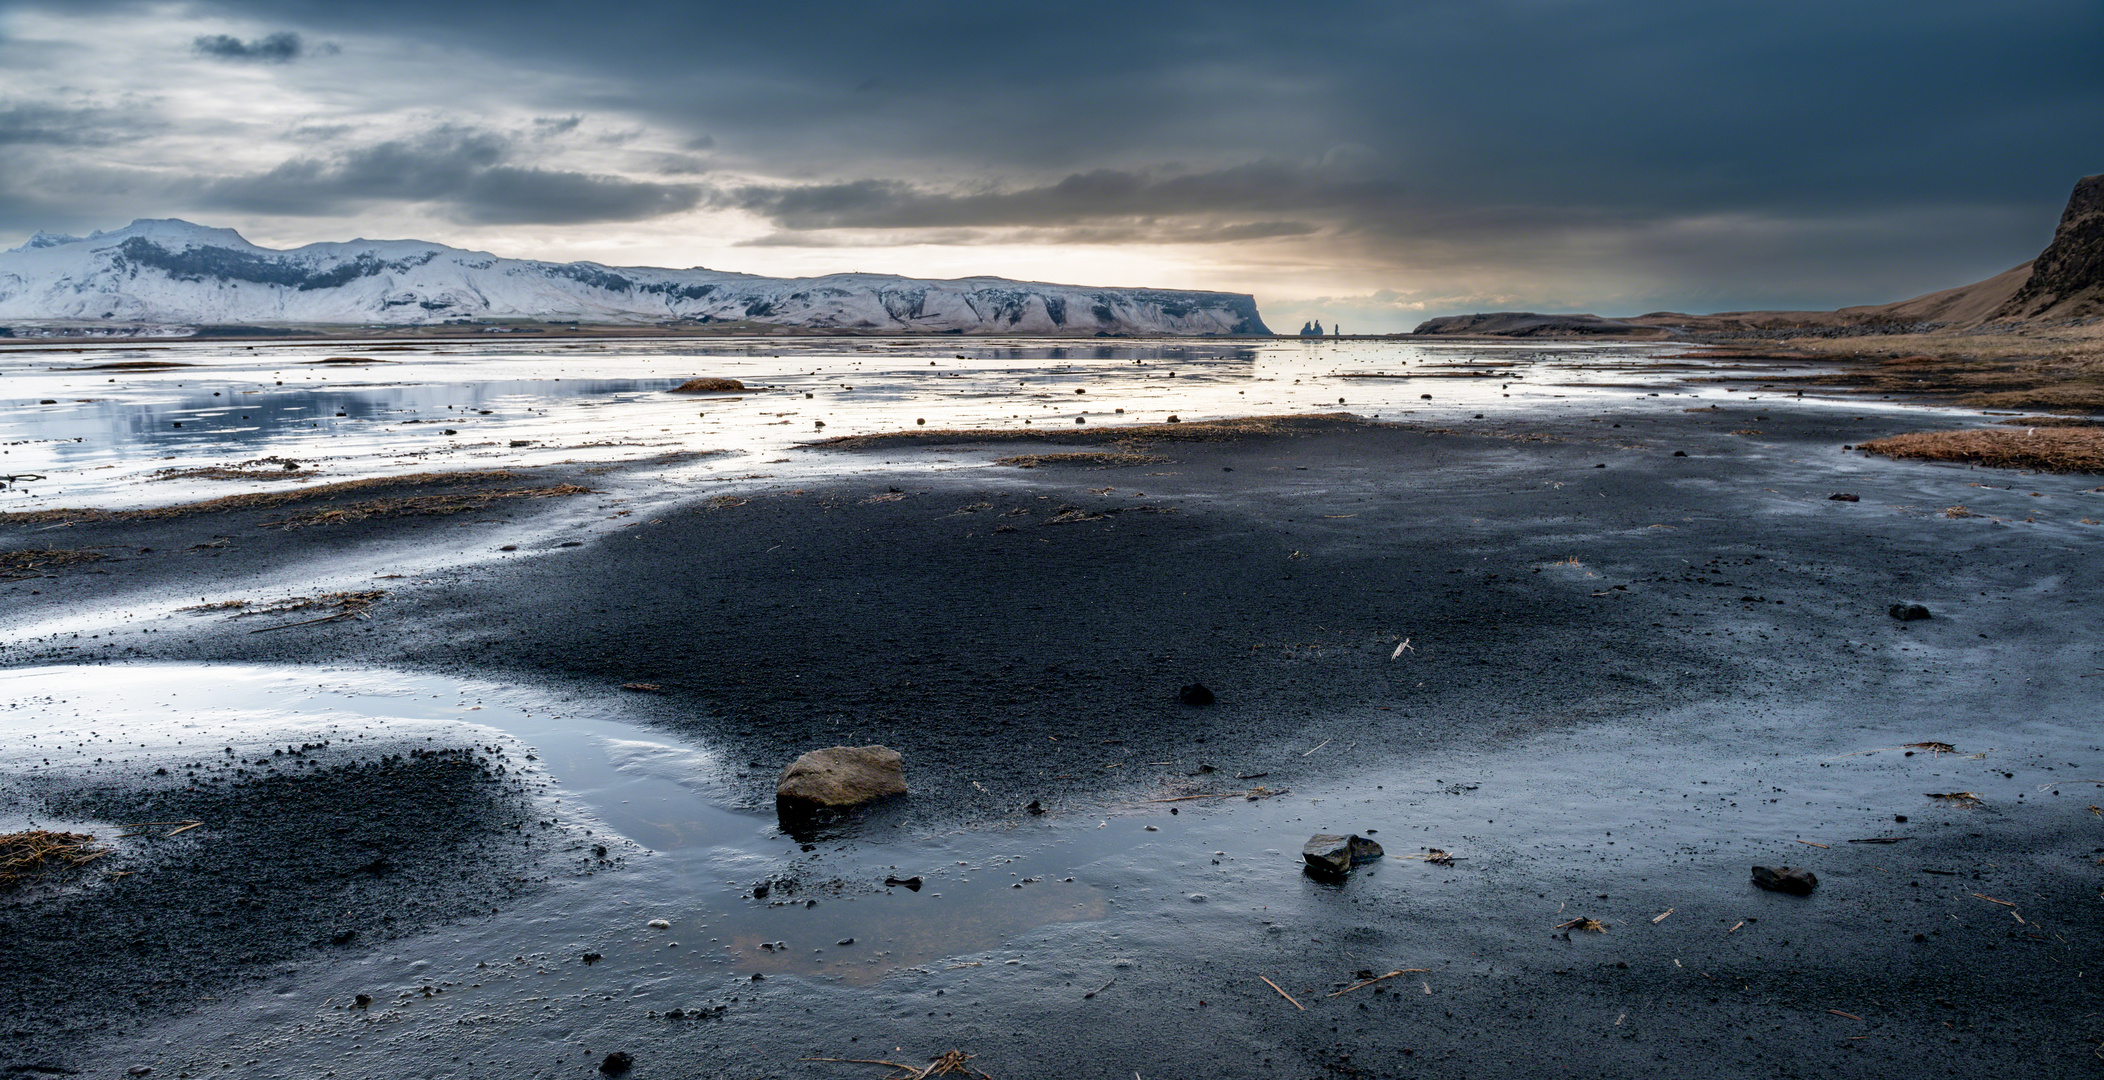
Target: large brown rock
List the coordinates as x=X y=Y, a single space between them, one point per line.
x=839 y=777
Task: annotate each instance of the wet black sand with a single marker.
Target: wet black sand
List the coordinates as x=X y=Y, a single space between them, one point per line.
x=1014 y=657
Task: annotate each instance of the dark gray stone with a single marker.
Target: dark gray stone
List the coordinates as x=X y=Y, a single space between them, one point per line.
x=1786 y=879
x=1330 y=853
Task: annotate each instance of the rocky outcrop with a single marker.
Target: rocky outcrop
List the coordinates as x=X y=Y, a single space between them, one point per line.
x=840 y=777
x=2067 y=278
x=1533 y=324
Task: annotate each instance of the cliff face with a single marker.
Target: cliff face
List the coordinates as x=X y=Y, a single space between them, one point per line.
x=2067 y=279
x=174 y=272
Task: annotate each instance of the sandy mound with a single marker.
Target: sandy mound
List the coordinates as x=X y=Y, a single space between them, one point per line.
x=709 y=385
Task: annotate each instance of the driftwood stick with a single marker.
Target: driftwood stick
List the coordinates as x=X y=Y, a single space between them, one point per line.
x=1282 y=993
x=1375 y=979
x=309 y=622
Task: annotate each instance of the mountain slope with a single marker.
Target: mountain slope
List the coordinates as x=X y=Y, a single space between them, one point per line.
x=170 y=271
x=2065 y=282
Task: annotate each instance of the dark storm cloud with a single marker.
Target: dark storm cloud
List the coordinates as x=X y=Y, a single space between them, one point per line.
x=1639 y=101
x=1596 y=130
x=1080 y=197
x=282 y=47
x=470 y=172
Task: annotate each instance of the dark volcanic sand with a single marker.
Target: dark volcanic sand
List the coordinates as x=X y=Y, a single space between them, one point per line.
x=1660 y=623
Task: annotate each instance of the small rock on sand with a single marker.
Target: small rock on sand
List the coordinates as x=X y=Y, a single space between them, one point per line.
x=1786 y=879
x=1334 y=854
x=1195 y=694
x=617 y=1063
x=1909 y=612
x=838 y=777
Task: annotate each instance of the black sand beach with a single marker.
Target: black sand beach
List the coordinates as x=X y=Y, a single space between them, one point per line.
x=1574 y=596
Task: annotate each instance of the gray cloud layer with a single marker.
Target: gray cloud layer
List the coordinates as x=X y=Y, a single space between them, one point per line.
x=467 y=171
x=1794 y=152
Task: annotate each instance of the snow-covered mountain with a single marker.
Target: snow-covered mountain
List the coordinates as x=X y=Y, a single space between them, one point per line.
x=174 y=272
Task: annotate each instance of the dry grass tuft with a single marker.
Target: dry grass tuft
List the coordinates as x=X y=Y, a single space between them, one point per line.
x=951 y=1063
x=28 y=856
x=2051 y=421
x=265 y=468
x=264 y=500
x=416 y=505
x=345 y=604
x=1101 y=458
x=2047 y=450
x=17 y=565
x=1591 y=925
x=1963 y=800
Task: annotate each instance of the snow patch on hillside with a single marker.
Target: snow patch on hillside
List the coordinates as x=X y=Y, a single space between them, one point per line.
x=168 y=271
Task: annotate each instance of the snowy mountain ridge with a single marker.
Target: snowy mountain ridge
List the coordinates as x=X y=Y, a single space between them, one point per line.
x=169 y=271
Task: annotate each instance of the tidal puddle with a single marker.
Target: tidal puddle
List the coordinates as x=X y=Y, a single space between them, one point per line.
x=736 y=891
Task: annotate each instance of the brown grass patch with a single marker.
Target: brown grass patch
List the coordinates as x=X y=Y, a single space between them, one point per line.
x=2042 y=368
x=2051 y=421
x=709 y=386
x=260 y=500
x=423 y=505
x=18 y=565
x=28 y=856
x=1194 y=431
x=2075 y=396
x=2047 y=450
x=1101 y=458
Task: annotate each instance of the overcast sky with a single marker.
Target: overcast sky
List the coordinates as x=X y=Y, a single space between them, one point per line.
x=1369 y=164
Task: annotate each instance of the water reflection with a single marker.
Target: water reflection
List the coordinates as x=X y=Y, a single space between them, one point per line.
x=98 y=433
